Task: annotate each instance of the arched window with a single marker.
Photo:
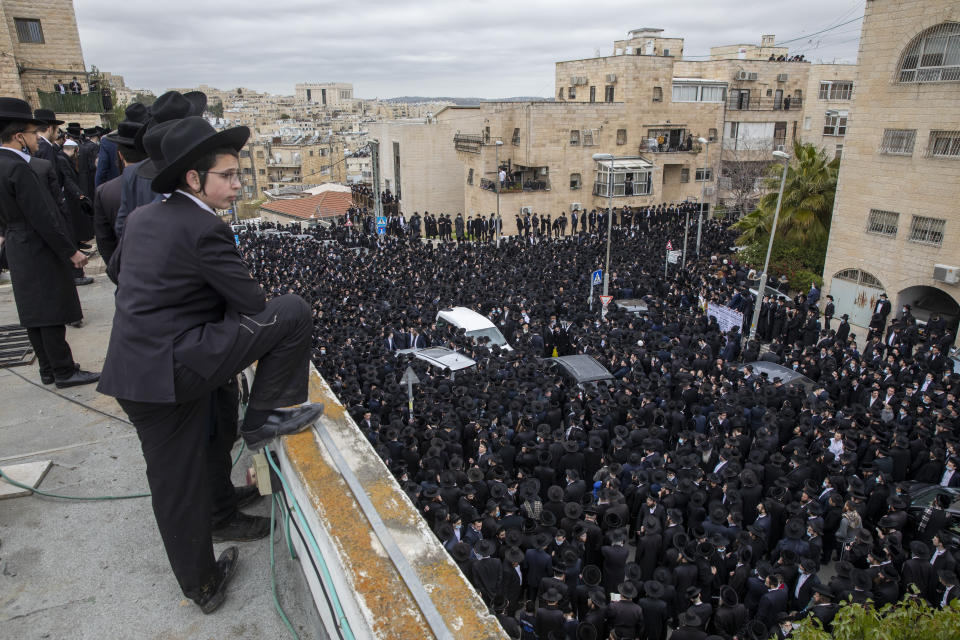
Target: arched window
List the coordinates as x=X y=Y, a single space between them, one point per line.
x=933 y=56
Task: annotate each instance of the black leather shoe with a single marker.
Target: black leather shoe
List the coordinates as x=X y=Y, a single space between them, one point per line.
x=212 y=596
x=282 y=422
x=82 y=281
x=247 y=495
x=243 y=528
x=78 y=378
x=47 y=378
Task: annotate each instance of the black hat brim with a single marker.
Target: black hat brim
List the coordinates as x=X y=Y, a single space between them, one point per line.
x=167 y=179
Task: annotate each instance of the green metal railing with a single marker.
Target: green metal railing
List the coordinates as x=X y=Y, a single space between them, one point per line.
x=71 y=102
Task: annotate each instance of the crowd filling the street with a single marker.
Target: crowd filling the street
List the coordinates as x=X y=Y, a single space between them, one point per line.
x=715 y=483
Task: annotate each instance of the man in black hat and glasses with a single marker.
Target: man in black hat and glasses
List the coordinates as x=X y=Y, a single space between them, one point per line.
x=188 y=318
x=39 y=251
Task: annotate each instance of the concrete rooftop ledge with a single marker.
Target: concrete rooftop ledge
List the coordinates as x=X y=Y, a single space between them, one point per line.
x=377 y=601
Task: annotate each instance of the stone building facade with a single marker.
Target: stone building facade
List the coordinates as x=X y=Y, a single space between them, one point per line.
x=333 y=95
x=44 y=41
x=895 y=216
x=418 y=160
x=646 y=106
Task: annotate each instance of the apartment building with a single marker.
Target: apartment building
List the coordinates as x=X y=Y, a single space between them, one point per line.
x=273 y=162
x=651 y=109
x=896 y=228
x=41 y=46
x=333 y=95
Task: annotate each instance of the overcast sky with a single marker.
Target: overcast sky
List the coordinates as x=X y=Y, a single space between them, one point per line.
x=388 y=48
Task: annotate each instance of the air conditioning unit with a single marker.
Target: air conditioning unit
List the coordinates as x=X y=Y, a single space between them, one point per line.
x=752 y=75
x=576 y=206
x=780 y=147
x=742 y=75
x=781 y=77
x=526 y=211
x=946 y=274
x=578 y=80
x=707 y=191
x=611 y=77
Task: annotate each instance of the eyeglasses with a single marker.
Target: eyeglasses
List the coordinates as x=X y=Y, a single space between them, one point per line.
x=229 y=176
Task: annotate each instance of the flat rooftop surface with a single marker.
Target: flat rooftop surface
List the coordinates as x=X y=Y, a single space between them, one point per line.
x=95 y=570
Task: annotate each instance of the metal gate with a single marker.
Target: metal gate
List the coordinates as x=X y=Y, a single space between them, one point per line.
x=855 y=293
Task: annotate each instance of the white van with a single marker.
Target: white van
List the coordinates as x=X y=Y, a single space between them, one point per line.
x=476 y=325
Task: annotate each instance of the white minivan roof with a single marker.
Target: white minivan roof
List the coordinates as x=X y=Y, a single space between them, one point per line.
x=466 y=318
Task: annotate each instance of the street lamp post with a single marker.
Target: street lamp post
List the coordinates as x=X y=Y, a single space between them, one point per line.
x=497 y=145
x=762 y=287
x=607 y=157
x=703 y=184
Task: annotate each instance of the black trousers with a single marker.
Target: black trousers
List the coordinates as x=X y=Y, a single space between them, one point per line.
x=186 y=444
x=53 y=352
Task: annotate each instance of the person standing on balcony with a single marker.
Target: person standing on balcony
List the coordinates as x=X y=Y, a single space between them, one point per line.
x=39 y=252
x=60 y=87
x=75 y=86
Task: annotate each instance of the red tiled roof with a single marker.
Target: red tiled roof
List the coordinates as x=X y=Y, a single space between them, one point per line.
x=324 y=205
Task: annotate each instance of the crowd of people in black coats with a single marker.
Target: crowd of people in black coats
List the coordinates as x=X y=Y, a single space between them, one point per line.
x=691 y=492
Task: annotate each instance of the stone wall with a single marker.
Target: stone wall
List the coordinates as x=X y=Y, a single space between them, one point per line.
x=910 y=185
x=59 y=57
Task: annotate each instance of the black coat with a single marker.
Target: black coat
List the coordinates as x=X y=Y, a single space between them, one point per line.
x=37 y=247
x=78 y=206
x=166 y=300
x=106 y=203
x=654 y=618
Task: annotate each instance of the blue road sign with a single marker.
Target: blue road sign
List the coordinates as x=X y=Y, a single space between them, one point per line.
x=596 y=277
x=381 y=225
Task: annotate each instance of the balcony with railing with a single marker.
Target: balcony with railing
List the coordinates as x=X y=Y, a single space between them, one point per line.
x=468 y=142
x=520 y=179
x=71 y=102
x=756 y=103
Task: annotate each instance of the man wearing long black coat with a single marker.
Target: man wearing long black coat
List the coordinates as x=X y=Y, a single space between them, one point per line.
x=39 y=252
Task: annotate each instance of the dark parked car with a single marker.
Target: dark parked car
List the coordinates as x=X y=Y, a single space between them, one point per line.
x=579 y=369
x=923 y=495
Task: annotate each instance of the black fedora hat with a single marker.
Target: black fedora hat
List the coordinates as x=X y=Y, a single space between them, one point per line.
x=198 y=102
x=136 y=112
x=186 y=141
x=653 y=588
x=74 y=129
x=17 y=110
x=461 y=552
x=627 y=589
x=46 y=116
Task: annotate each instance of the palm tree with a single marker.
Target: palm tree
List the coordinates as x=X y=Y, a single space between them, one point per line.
x=807 y=200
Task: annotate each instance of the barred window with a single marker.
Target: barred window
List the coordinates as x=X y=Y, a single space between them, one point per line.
x=572 y=92
x=944 y=144
x=927 y=230
x=898 y=141
x=516 y=137
x=933 y=56
x=574 y=137
x=704 y=175
x=658 y=94
x=621 y=136
x=29 y=30
x=575 y=181
x=589 y=137
x=684 y=174
x=883 y=223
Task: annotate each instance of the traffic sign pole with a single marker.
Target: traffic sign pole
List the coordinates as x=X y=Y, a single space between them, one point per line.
x=410 y=378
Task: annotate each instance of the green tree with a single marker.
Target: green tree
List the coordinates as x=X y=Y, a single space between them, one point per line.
x=807 y=206
x=910 y=619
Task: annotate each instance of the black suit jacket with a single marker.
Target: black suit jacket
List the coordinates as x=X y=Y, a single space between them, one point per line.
x=106 y=203
x=181 y=287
